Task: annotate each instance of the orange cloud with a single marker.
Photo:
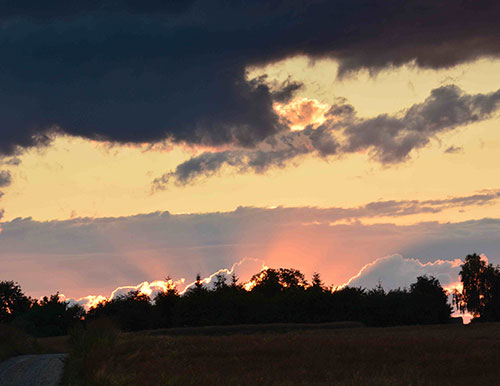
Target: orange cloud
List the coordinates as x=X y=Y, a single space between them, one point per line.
x=246 y=266
x=301 y=112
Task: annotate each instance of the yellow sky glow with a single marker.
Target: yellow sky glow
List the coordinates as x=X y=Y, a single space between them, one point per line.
x=75 y=177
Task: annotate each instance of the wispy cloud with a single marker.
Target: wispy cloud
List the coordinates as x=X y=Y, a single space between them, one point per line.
x=388 y=139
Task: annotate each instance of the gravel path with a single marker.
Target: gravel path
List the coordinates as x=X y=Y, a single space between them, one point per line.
x=32 y=370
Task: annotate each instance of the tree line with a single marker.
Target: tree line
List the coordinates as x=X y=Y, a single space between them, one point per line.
x=272 y=296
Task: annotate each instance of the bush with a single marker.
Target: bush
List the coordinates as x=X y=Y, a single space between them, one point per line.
x=89 y=345
x=15 y=342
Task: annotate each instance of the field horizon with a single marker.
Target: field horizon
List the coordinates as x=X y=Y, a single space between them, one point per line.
x=405 y=355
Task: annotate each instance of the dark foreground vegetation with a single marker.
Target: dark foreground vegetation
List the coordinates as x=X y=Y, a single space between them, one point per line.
x=276 y=296
x=14 y=341
x=411 y=355
x=271 y=296
x=279 y=296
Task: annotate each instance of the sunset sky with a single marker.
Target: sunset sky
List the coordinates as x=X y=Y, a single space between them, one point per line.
x=356 y=138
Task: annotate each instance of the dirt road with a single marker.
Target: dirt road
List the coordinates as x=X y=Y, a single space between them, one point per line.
x=32 y=370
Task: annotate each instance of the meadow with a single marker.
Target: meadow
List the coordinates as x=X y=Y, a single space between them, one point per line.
x=14 y=341
x=410 y=355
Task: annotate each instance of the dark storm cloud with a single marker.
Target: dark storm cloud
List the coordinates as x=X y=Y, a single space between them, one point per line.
x=129 y=71
x=387 y=138
x=60 y=8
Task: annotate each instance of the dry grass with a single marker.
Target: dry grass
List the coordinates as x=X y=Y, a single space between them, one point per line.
x=252 y=328
x=432 y=355
x=54 y=344
x=15 y=342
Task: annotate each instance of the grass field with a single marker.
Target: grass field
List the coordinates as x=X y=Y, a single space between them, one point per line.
x=419 y=355
x=16 y=342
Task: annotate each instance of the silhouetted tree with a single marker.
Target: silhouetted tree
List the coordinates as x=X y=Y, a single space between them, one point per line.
x=50 y=316
x=198 y=288
x=348 y=303
x=194 y=308
x=132 y=312
x=292 y=279
x=277 y=295
x=376 y=309
x=317 y=300
x=481 y=289
x=165 y=303
x=234 y=280
x=429 y=301
x=220 y=282
x=316 y=281
x=267 y=282
x=12 y=301
x=272 y=281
